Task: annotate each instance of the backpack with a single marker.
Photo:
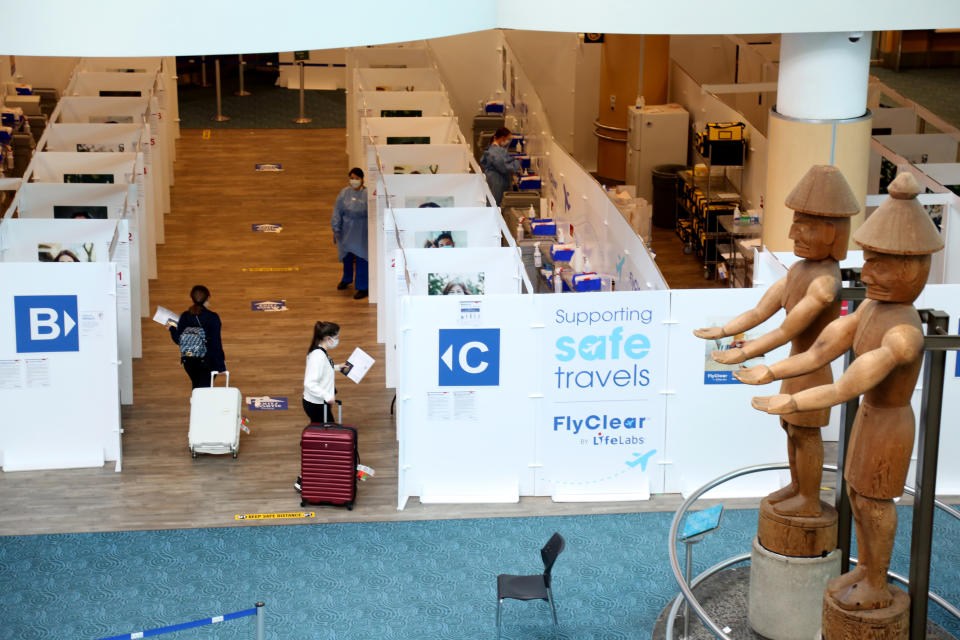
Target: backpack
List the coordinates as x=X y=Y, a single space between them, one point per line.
x=193 y=342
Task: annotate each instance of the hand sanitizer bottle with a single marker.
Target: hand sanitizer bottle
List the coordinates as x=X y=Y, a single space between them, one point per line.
x=520 y=230
x=537 y=256
x=557 y=283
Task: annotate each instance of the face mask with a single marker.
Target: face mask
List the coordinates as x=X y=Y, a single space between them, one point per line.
x=355 y=183
x=334 y=341
x=446 y=246
x=206 y=302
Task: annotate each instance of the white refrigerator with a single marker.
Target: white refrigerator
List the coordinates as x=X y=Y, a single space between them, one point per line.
x=656 y=135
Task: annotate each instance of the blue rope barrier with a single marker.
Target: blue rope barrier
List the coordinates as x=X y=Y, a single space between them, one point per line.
x=184 y=625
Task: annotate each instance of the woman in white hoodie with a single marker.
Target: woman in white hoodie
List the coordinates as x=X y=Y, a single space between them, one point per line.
x=318 y=379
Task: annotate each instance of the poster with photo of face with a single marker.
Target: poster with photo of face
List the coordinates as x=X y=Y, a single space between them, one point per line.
x=84 y=147
x=440 y=239
x=62 y=252
x=79 y=212
x=412 y=169
x=455 y=284
x=88 y=178
x=111 y=119
x=421 y=202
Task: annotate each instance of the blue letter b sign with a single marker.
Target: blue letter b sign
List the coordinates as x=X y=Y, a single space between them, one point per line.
x=46 y=323
x=469 y=357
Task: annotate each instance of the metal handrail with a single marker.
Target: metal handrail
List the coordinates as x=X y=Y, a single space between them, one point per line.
x=608 y=127
x=603 y=137
x=686 y=591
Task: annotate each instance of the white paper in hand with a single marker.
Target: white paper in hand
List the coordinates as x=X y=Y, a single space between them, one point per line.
x=165 y=316
x=358 y=364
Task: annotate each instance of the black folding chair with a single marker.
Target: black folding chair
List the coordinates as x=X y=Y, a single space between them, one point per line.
x=535 y=587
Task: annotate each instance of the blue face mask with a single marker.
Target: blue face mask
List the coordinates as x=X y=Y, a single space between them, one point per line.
x=446 y=246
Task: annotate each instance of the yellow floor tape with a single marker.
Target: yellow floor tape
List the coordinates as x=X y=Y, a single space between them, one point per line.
x=270 y=269
x=274 y=516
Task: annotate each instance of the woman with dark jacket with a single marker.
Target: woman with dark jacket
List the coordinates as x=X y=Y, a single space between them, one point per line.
x=199 y=326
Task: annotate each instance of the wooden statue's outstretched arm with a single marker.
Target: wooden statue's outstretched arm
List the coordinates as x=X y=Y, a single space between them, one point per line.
x=899 y=345
x=831 y=343
x=769 y=304
x=819 y=295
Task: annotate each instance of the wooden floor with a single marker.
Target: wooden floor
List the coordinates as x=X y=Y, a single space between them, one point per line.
x=217 y=196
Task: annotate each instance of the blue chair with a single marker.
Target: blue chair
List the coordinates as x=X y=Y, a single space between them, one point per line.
x=535 y=587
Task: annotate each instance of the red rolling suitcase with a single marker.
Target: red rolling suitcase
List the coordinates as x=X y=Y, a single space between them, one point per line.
x=328 y=464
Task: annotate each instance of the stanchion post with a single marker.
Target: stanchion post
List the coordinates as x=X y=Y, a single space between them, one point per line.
x=689 y=573
x=203 y=71
x=219 y=117
x=303 y=119
x=925 y=482
x=243 y=64
x=260 y=622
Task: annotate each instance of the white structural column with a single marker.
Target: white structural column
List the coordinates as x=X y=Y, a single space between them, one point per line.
x=821 y=117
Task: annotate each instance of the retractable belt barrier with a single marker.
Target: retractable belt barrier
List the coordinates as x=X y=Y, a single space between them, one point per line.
x=257 y=611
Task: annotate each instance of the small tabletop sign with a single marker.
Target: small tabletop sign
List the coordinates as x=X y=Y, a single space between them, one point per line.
x=268 y=305
x=268 y=166
x=301 y=55
x=267 y=227
x=266 y=403
x=701 y=522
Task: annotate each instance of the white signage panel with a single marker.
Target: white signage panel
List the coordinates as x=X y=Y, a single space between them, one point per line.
x=603 y=369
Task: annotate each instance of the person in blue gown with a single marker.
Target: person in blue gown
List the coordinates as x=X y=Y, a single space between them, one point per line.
x=349 y=224
x=498 y=165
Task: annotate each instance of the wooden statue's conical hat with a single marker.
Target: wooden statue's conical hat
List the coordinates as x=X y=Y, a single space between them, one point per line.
x=900 y=226
x=823 y=191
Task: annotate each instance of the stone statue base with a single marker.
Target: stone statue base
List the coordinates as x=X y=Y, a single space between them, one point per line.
x=797 y=536
x=785 y=600
x=888 y=623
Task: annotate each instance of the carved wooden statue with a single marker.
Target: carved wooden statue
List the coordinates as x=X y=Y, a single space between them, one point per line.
x=823 y=204
x=887 y=338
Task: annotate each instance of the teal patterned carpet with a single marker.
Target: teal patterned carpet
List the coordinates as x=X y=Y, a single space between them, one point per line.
x=430 y=579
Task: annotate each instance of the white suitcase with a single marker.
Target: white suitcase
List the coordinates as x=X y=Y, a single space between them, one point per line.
x=215 y=419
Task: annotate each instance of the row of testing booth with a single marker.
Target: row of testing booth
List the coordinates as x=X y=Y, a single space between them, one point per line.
x=77 y=250
x=509 y=389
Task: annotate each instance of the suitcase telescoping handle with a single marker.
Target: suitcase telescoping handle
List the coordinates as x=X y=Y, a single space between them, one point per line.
x=339 y=412
x=213 y=374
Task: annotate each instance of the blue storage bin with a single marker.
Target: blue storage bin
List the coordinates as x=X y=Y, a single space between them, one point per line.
x=543 y=227
x=586 y=282
x=561 y=252
x=524 y=160
x=529 y=183
x=493 y=107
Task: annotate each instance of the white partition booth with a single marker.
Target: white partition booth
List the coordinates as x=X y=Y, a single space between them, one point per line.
x=407 y=79
x=403 y=104
x=413 y=159
x=587 y=391
x=116 y=138
x=107 y=84
x=58 y=366
x=123 y=168
x=432 y=130
x=410 y=191
x=413 y=229
x=57 y=203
